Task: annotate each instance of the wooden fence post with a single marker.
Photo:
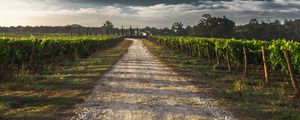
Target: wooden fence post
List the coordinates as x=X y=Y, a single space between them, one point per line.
x=13 y=54
x=191 y=50
x=33 y=55
x=185 y=49
x=245 y=61
x=228 y=60
x=188 y=50
x=291 y=72
x=208 y=55
x=181 y=48
x=199 y=53
x=217 y=57
x=264 y=55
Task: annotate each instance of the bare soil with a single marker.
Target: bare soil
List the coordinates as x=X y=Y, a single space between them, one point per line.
x=140 y=87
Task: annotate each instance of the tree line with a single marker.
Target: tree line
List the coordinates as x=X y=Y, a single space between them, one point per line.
x=222 y=27
x=107 y=28
x=207 y=26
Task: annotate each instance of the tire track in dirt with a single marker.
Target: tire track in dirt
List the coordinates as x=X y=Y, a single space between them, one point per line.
x=140 y=87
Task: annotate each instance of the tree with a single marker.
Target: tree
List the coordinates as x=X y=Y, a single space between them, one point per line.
x=122 y=31
x=188 y=30
x=138 y=31
x=292 y=29
x=225 y=27
x=166 y=31
x=130 y=31
x=108 y=27
x=178 y=29
x=210 y=26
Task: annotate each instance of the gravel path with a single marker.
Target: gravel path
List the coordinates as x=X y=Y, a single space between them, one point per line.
x=140 y=87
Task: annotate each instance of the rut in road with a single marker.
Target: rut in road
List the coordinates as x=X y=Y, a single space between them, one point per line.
x=140 y=87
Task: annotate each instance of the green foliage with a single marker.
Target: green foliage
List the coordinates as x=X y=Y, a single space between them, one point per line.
x=52 y=49
x=275 y=48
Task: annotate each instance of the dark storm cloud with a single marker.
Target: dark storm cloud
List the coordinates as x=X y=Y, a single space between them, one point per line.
x=240 y=5
x=151 y=2
x=133 y=2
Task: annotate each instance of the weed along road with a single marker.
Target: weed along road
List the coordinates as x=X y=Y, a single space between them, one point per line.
x=140 y=87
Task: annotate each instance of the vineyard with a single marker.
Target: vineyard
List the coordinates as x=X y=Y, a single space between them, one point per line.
x=150 y=60
x=46 y=50
x=52 y=73
x=60 y=66
x=277 y=57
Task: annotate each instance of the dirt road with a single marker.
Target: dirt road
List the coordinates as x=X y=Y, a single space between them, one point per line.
x=140 y=87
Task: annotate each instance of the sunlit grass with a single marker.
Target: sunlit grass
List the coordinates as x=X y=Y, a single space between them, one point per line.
x=247 y=98
x=51 y=93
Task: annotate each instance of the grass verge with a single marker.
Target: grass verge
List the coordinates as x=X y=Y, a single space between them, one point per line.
x=52 y=93
x=247 y=98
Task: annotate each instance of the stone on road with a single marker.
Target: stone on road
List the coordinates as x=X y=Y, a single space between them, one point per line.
x=140 y=87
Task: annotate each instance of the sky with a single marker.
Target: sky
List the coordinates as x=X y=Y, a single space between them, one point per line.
x=141 y=13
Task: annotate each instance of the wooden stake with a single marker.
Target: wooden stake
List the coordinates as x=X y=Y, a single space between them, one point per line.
x=245 y=61
x=33 y=53
x=291 y=72
x=199 y=53
x=182 y=49
x=265 y=63
x=179 y=48
x=186 y=49
x=208 y=55
x=228 y=60
x=217 y=57
x=13 y=54
x=190 y=50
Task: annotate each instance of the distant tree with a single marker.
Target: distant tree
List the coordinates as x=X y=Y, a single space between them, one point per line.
x=195 y=31
x=188 y=30
x=253 y=21
x=210 y=26
x=178 y=29
x=122 y=31
x=166 y=31
x=137 y=31
x=253 y=29
x=272 y=30
x=130 y=31
x=152 y=30
x=292 y=29
x=260 y=30
x=108 y=27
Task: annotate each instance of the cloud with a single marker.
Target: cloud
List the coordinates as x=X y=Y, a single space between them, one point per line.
x=161 y=10
x=134 y=12
x=111 y=10
x=131 y=2
x=72 y=12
